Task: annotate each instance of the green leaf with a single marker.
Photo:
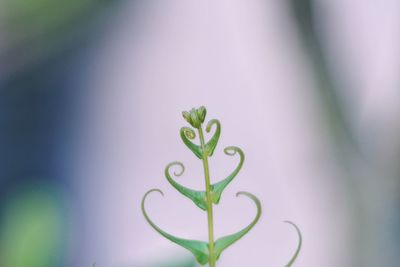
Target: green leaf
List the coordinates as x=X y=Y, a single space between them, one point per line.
x=298 y=246
x=222 y=243
x=210 y=146
x=188 y=134
x=198 y=248
x=218 y=188
x=198 y=197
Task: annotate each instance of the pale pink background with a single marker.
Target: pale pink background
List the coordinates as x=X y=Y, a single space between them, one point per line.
x=243 y=61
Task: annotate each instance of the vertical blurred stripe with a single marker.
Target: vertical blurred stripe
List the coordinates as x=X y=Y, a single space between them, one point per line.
x=334 y=113
x=43 y=48
x=368 y=185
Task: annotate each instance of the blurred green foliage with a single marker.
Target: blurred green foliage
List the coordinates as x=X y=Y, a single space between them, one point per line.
x=36 y=30
x=32 y=231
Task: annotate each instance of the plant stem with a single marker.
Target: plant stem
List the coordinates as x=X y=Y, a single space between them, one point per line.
x=212 y=259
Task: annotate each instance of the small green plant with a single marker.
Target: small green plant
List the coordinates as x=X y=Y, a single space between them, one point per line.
x=207 y=252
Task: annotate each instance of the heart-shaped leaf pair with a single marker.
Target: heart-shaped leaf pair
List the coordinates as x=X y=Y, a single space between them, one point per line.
x=199 y=197
x=188 y=134
x=200 y=249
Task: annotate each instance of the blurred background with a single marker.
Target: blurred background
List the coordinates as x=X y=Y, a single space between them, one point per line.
x=91 y=95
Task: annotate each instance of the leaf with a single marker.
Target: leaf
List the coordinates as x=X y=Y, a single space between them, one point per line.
x=298 y=246
x=198 y=197
x=198 y=248
x=188 y=134
x=222 y=243
x=210 y=146
x=218 y=188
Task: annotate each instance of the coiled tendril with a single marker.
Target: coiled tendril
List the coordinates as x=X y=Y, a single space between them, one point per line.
x=198 y=197
x=188 y=134
x=222 y=243
x=212 y=143
x=198 y=248
x=207 y=251
x=218 y=188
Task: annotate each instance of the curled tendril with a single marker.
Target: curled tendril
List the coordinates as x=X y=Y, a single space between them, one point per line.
x=298 y=246
x=198 y=248
x=210 y=146
x=218 y=188
x=222 y=243
x=188 y=134
x=198 y=197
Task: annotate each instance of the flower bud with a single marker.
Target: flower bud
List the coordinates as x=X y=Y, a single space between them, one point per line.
x=195 y=117
x=201 y=112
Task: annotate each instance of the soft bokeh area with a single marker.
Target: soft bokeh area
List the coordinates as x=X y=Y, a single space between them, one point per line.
x=91 y=95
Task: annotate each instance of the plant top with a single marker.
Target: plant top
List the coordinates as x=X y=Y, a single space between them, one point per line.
x=207 y=252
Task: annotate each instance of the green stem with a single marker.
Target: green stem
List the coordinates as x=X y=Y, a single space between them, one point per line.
x=212 y=258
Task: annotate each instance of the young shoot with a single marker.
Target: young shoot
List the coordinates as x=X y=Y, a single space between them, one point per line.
x=207 y=252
